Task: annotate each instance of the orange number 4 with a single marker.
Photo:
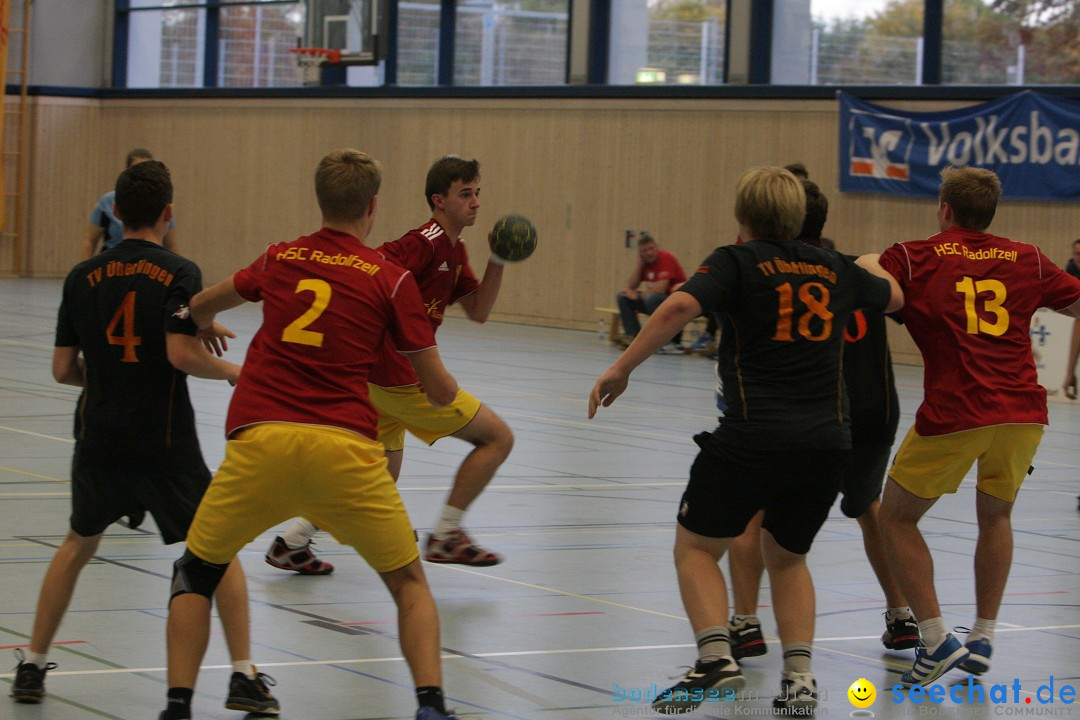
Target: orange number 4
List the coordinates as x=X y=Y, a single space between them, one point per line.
x=129 y=340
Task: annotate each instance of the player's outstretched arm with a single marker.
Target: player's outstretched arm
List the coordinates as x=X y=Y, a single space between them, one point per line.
x=217 y=298
x=187 y=354
x=67 y=367
x=896 y=294
x=439 y=385
x=671 y=317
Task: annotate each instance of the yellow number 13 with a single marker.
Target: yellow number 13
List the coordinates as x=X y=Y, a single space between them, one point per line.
x=975 y=324
x=296 y=332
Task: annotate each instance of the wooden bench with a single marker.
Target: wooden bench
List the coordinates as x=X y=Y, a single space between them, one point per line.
x=610 y=315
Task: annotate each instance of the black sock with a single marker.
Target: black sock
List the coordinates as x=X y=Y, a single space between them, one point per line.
x=431 y=696
x=179 y=704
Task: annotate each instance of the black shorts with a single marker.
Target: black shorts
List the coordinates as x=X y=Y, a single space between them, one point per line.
x=105 y=489
x=864 y=477
x=731 y=481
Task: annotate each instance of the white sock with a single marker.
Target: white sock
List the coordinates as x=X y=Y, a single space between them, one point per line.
x=893 y=613
x=245 y=668
x=450 y=520
x=933 y=633
x=299 y=534
x=983 y=629
x=38 y=659
x=743 y=619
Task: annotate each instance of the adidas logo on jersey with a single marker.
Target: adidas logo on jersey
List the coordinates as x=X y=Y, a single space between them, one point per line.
x=444 y=267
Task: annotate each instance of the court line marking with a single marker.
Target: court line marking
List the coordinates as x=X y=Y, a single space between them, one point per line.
x=512 y=653
x=566 y=593
x=30 y=474
x=40 y=435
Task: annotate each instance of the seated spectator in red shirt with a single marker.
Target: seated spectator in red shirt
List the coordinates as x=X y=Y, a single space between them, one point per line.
x=658 y=274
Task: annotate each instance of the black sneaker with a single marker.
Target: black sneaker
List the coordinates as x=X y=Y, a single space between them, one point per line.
x=252 y=695
x=694 y=688
x=901 y=633
x=747 y=640
x=29 y=685
x=798 y=694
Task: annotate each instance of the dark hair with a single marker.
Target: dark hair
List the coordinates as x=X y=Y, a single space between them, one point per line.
x=798 y=170
x=445 y=172
x=817 y=210
x=137 y=154
x=645 y=238
x=142 y=192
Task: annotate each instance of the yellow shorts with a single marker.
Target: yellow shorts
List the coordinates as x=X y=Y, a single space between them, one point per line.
x=335 y=478
x=407 y=408
x=929 y=467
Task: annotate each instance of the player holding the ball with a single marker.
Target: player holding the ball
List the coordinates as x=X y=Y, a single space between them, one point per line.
x=436 y=256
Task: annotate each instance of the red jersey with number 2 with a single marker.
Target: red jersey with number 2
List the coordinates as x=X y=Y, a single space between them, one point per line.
x=968 y=301
x=328 y=304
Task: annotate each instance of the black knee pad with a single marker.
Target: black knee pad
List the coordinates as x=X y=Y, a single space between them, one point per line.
x=194 y=575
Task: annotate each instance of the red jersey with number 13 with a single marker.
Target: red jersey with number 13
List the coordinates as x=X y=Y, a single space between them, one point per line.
x=328 y=303
x=969 y=298
x=441 y=268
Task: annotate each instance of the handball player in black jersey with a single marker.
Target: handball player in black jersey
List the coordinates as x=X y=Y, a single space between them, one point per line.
x=784 y=437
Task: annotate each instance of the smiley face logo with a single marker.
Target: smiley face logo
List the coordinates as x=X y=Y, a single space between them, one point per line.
x=862 y=693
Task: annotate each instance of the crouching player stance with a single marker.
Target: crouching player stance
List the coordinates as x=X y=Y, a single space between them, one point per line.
x=301 y=428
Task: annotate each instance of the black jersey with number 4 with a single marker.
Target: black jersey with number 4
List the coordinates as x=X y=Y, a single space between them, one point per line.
x=117 y=307
x=783 y=308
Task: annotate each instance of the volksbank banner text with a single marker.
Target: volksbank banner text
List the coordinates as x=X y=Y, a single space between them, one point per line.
x=1031 y=140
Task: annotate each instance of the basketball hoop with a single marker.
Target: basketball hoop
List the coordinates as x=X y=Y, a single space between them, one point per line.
x=309 y=62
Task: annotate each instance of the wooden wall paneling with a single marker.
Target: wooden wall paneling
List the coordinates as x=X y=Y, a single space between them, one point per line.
x=70 y=167
x=584 y=170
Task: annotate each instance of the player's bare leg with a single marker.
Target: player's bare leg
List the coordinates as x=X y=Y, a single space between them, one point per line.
x=418 y=623
x=492 y=441
x=874 y=544
x=899 y=517
x=58 y=587
x=793 y=606
x=53 y=600
x=746 y=566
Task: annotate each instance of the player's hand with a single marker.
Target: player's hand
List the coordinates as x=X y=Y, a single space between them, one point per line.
x=214 y=338
x=1070 y=386
x=632 y=294
x=611 y=385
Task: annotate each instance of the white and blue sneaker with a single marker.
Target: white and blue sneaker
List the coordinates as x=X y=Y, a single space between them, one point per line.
x=978 y=660
x=930 y=666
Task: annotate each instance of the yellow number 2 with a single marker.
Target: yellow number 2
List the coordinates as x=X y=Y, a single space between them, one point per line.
x=295 y=332
x=976 y=324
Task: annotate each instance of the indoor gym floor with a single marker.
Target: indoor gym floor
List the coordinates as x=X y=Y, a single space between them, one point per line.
x=586 y=601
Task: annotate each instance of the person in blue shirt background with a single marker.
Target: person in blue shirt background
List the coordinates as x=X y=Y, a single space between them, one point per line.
x=105 y=225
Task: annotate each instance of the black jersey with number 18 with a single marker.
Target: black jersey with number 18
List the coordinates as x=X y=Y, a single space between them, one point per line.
x=783 y=307
x=117 y=306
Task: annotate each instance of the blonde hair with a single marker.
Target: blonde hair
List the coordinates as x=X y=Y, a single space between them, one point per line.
x=771 y=202
x=973 y=195
x=345 y=182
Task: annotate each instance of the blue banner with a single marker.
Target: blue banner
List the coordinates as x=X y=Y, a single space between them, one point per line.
x=1031 y=140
